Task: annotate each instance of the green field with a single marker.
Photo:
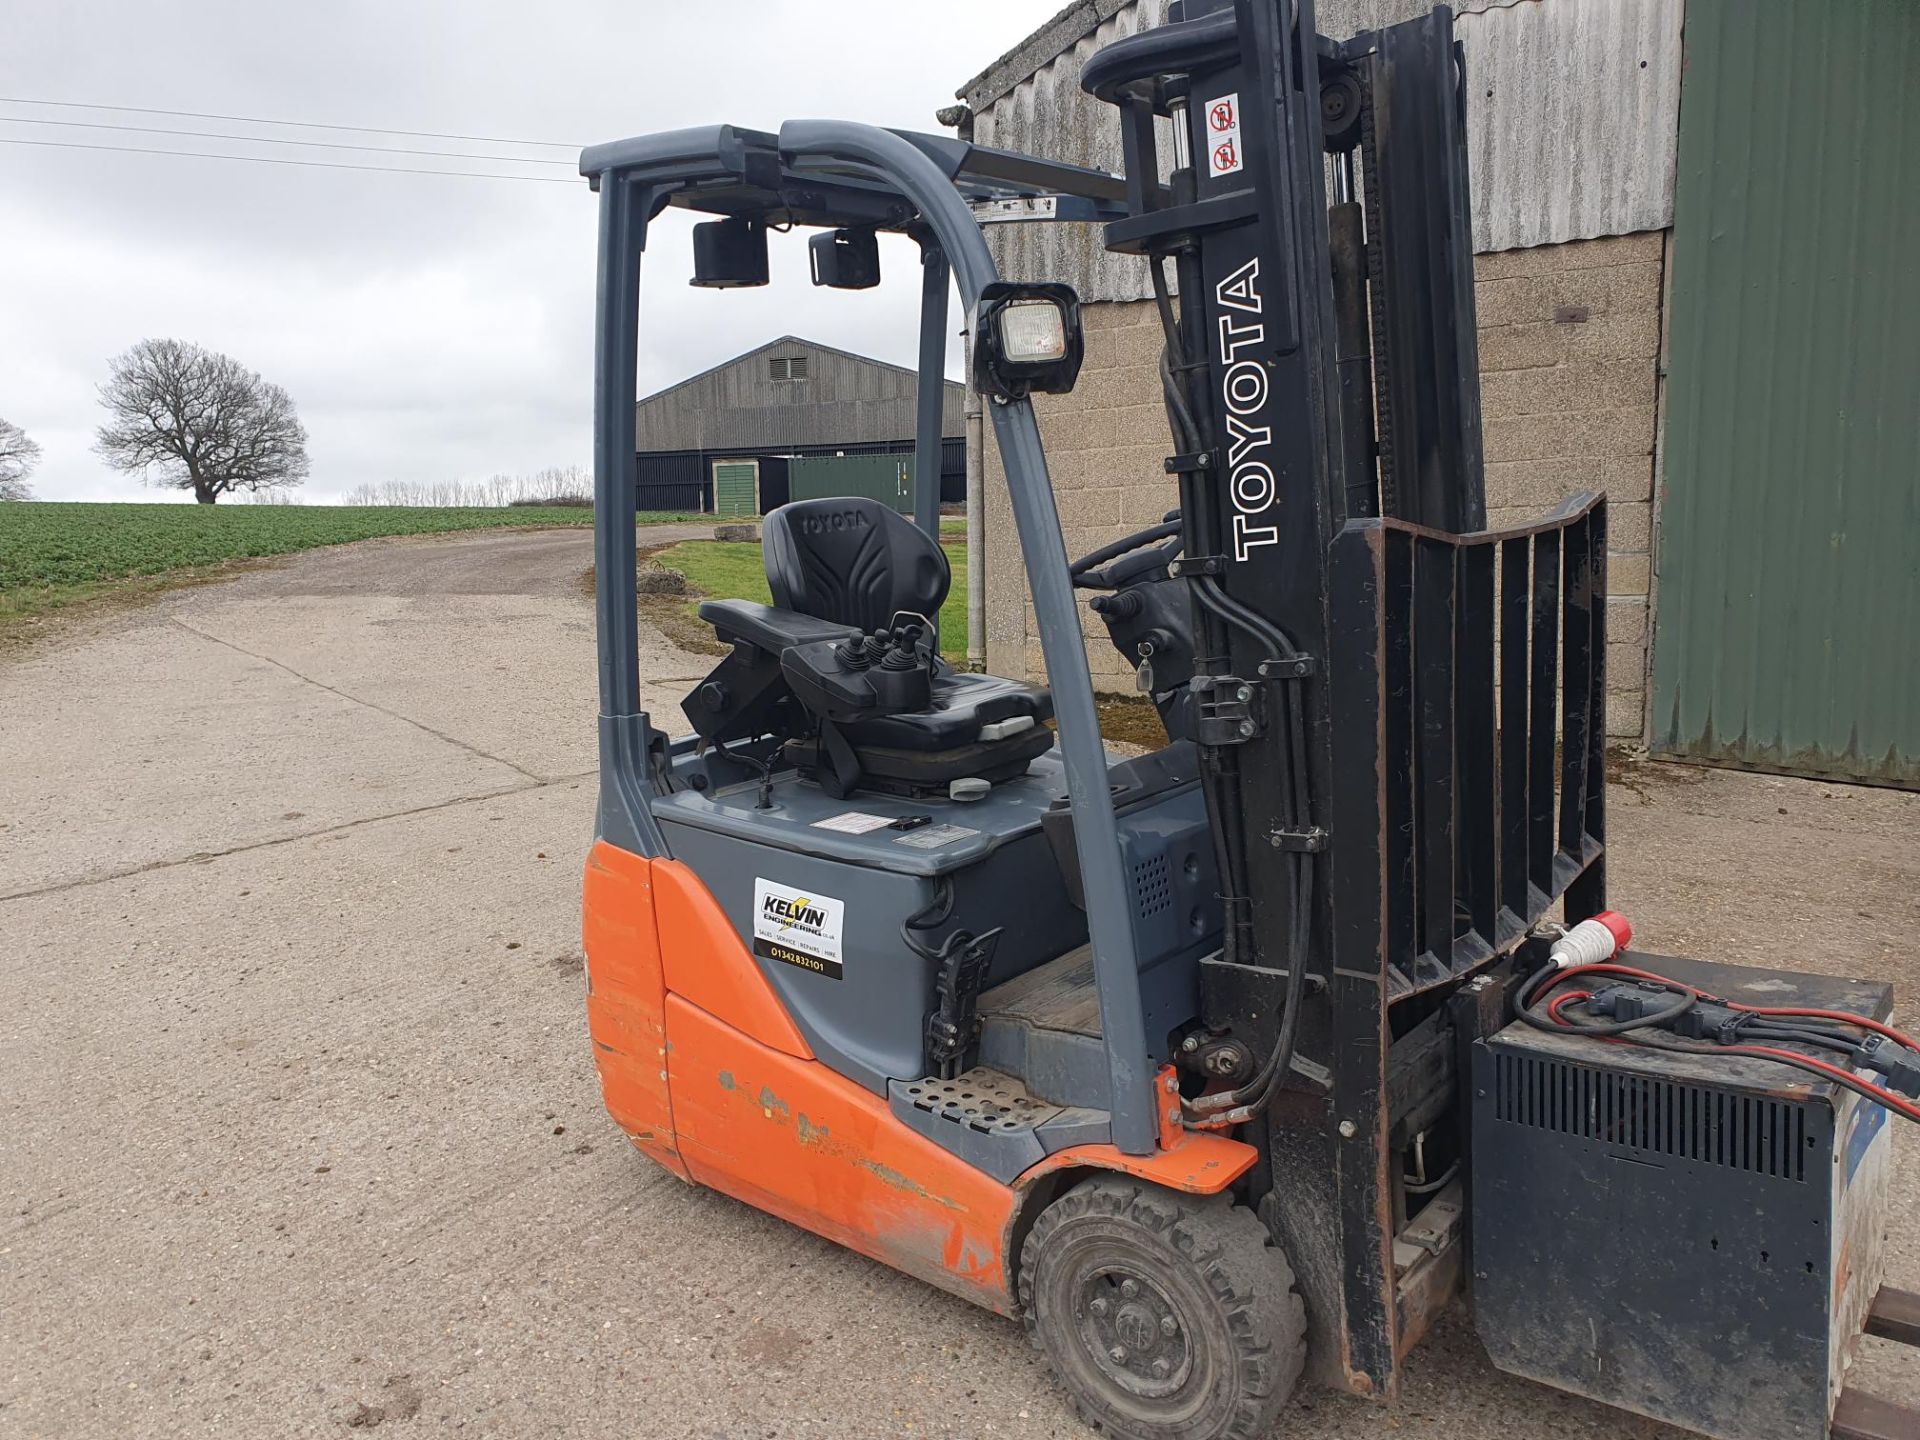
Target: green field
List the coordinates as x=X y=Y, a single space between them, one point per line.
x=732 y=570
x=54 y=554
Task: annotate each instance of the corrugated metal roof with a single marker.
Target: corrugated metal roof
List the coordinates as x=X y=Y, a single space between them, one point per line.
x=1047 y=114
x=1066 y=29
x=845 y=399
x=1572 y=118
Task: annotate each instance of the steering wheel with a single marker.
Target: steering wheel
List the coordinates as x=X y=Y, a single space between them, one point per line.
x=1098 y=570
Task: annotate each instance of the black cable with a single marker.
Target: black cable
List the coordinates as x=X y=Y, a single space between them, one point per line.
x=1653 y=1019
x=297 y=124
x=1207 y=590
x=1196 y=503
x=1761 y=1028
x=1822 y=1040
x=283 y=160
x=931 y=916
x=763 y=767
x=278 y=140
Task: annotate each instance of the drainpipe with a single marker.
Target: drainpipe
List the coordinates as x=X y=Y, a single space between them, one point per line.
x=960 y=117
x=976 y=528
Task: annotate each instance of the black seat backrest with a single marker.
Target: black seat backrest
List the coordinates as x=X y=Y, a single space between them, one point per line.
x=853 y=561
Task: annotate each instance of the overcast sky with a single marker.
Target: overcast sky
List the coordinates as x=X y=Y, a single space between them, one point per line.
x=427 y=328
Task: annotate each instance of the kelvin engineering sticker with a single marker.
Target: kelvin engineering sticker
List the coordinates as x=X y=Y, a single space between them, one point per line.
x=797 y=928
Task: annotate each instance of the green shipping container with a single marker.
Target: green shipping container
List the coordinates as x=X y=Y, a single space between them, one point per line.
x=886 y=478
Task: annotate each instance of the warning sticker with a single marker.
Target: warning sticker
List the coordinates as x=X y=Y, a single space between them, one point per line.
x=932 y=837
x=1223 y=135
x=853 y=823
x=797 y=927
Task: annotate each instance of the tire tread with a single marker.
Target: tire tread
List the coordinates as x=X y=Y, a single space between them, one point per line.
x=1231 y=1251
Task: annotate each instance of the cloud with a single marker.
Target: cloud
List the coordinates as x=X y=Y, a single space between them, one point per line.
x=427 y=327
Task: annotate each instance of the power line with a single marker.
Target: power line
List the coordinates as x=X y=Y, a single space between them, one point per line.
x=283 y=160
x=300 y=124
x=275 y=140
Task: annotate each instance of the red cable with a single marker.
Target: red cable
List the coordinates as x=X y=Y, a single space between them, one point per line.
x=1879 y=1093
x=1883 y=1096
x=1553 y=1010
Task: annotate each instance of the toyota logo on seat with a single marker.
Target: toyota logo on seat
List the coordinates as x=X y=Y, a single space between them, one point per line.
x=839 y=520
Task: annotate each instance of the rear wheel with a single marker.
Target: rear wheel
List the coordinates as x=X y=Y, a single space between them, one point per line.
x=1165 y=1315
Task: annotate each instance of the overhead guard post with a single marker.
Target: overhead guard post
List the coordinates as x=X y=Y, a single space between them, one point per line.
x=834 y=143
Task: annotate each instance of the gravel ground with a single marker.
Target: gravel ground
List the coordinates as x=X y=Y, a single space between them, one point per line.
x=301 y=1129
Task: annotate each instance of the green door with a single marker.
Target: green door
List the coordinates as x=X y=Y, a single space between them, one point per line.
x=736 y=487
x=1788 y=609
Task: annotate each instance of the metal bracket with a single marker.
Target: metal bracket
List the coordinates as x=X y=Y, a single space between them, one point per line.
x=1229 y=710
x=1298 y=668
x=1311 y=840
x=1198 y=565
x=1188 y=464
x=953 y=1024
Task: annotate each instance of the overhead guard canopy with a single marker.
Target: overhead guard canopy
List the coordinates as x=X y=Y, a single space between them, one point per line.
x=726 y=170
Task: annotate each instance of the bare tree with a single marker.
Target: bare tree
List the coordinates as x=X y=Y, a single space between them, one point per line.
x=555 y=485
x=18 y=455
x=191 y=419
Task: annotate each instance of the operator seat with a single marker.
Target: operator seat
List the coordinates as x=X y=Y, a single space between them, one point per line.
x=840 y=570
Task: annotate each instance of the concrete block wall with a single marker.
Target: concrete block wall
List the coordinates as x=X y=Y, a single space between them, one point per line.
x=1569 y=359
x=1569 y=387
x=1106 y=447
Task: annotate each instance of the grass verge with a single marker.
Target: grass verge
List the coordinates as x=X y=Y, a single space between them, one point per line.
x=54 y=555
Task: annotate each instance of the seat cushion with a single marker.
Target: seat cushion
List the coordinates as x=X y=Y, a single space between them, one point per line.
x=961 y=703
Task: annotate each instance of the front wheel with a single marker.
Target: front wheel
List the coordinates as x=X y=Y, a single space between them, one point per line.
x=1165 y=1315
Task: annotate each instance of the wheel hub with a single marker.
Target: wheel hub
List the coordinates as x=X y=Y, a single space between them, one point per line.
x=1134 y=1333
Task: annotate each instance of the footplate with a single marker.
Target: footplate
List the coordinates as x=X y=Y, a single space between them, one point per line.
x=989 y=1119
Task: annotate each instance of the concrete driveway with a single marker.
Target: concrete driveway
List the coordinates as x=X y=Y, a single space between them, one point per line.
x=299 y=1131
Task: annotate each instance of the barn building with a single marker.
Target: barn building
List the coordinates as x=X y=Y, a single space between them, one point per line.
x=1692 y=295
x=792 y=419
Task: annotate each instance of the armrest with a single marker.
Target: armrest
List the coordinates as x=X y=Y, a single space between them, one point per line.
x=770 y=629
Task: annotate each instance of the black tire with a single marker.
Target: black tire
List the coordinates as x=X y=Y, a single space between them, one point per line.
x=1165 y=1315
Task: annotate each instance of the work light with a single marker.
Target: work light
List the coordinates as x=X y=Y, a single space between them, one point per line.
x=1032 y=332
x=1027 y=338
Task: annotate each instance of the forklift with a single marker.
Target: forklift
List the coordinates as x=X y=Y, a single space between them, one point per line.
x=1240 y=1060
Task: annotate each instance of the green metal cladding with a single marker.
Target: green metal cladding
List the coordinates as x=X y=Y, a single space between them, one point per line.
x=1788 y=605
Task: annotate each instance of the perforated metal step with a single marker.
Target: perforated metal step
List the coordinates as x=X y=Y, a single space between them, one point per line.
x=981 y=1099
x=990 y=1119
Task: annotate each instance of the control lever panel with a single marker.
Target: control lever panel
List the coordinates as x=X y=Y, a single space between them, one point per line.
x=887 y=672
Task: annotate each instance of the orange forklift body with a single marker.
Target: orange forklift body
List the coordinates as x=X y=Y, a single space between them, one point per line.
x=708 y=1075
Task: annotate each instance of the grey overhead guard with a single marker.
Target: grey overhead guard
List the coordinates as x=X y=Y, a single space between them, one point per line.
x=805 y=143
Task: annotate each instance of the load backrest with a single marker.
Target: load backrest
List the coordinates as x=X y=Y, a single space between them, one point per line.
x=852 y=561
